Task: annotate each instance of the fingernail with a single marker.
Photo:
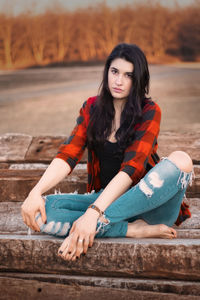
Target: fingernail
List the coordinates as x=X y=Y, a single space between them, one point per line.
x=60 y=251
x=45 y=222
x=84 y=254
x=69 y=252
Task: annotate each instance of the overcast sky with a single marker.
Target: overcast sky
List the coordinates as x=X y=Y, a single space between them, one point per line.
x=38 y=6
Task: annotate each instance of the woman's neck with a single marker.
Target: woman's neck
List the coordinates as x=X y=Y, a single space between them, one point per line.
x=119 y=104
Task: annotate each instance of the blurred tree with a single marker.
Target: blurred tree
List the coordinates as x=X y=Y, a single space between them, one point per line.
x=189 y=33
x=37 y=36
x=84 y=43
x=162 y=30
x=6 y=31
x=107 y=29
x=20 y=50
x=64 y=31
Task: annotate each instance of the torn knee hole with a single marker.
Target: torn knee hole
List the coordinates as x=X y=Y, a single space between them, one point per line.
x=155 y=180
x=145 y=189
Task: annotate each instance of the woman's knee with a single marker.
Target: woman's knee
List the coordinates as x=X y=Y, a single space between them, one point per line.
x=182 y=160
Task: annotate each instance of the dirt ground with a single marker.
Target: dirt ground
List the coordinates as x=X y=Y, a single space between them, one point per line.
x=46 y=101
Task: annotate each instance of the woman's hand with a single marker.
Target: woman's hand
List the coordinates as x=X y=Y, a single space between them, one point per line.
x=33 y=204
x=81 y=236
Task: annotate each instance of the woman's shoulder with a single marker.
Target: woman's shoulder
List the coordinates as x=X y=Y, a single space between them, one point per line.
x=149 y=104
x=88 y=106
x=90 y=101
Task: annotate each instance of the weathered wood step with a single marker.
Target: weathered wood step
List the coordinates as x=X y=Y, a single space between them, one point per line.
x=25 y=148
x=42 y=286
x=173 y=141
x=134 y=258
x=21 y=147
x=16 y=184
x=11 y=220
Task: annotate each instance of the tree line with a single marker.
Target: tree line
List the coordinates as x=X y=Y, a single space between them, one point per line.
x=88 y=35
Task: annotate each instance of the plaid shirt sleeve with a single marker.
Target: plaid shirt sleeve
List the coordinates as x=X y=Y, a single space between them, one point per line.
x=72 y=149
x=138 y=154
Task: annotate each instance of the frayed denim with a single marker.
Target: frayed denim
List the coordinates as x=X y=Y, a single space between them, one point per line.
x=156 y=199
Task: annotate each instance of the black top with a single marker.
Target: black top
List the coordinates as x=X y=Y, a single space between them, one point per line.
x=110 y=161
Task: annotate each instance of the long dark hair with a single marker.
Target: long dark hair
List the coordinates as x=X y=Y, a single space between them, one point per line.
x=103 y=112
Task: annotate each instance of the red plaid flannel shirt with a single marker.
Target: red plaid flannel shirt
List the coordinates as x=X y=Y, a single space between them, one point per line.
x=139 y=157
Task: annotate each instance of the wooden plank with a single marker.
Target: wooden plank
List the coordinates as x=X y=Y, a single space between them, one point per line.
x=13 y=147
x=43 y=148
x=31 y=289
x=4 y=165
x=32 y=286
x=187 y=233
x=194 y=190
x=157 y=285
x=187 y=141
x=15 y=185
x=135 y=258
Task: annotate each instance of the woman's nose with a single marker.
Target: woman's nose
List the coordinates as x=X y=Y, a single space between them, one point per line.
x=119 y=80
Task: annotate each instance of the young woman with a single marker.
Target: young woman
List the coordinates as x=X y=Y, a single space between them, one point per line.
x=135 y=193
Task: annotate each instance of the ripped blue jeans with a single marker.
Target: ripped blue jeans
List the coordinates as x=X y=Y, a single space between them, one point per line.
x=156 y=199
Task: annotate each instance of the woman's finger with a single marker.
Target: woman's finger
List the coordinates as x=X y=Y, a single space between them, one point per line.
x=74 y=258
x=33 y=223
x=71 y=247
x=43 y=213
x=23 y=217
x=85 y=245
x=79 y=247
x=64 y=245
x=28 y=222
x=91 y=240
x=67 y=254
x=72 y=228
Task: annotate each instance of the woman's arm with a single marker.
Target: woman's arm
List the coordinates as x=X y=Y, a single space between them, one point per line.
x=56 y=171
x=34 y=203
x=69 y=154
x=116 y=187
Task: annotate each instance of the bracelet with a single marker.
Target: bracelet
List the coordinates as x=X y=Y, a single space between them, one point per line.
x=93 y=206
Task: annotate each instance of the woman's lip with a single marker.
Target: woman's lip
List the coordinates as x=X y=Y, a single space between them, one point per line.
x=117 y=90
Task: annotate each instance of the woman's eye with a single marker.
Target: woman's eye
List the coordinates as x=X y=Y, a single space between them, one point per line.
x=129 y=75
x=114 y=71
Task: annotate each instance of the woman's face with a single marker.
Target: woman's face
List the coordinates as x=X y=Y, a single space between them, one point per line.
x=120 y=76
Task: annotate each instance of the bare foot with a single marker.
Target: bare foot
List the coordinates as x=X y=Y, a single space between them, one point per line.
x=140 y=229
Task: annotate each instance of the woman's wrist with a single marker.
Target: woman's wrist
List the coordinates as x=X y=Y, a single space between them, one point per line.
x=35 y=191
x=92 y=212
x=96 y=208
